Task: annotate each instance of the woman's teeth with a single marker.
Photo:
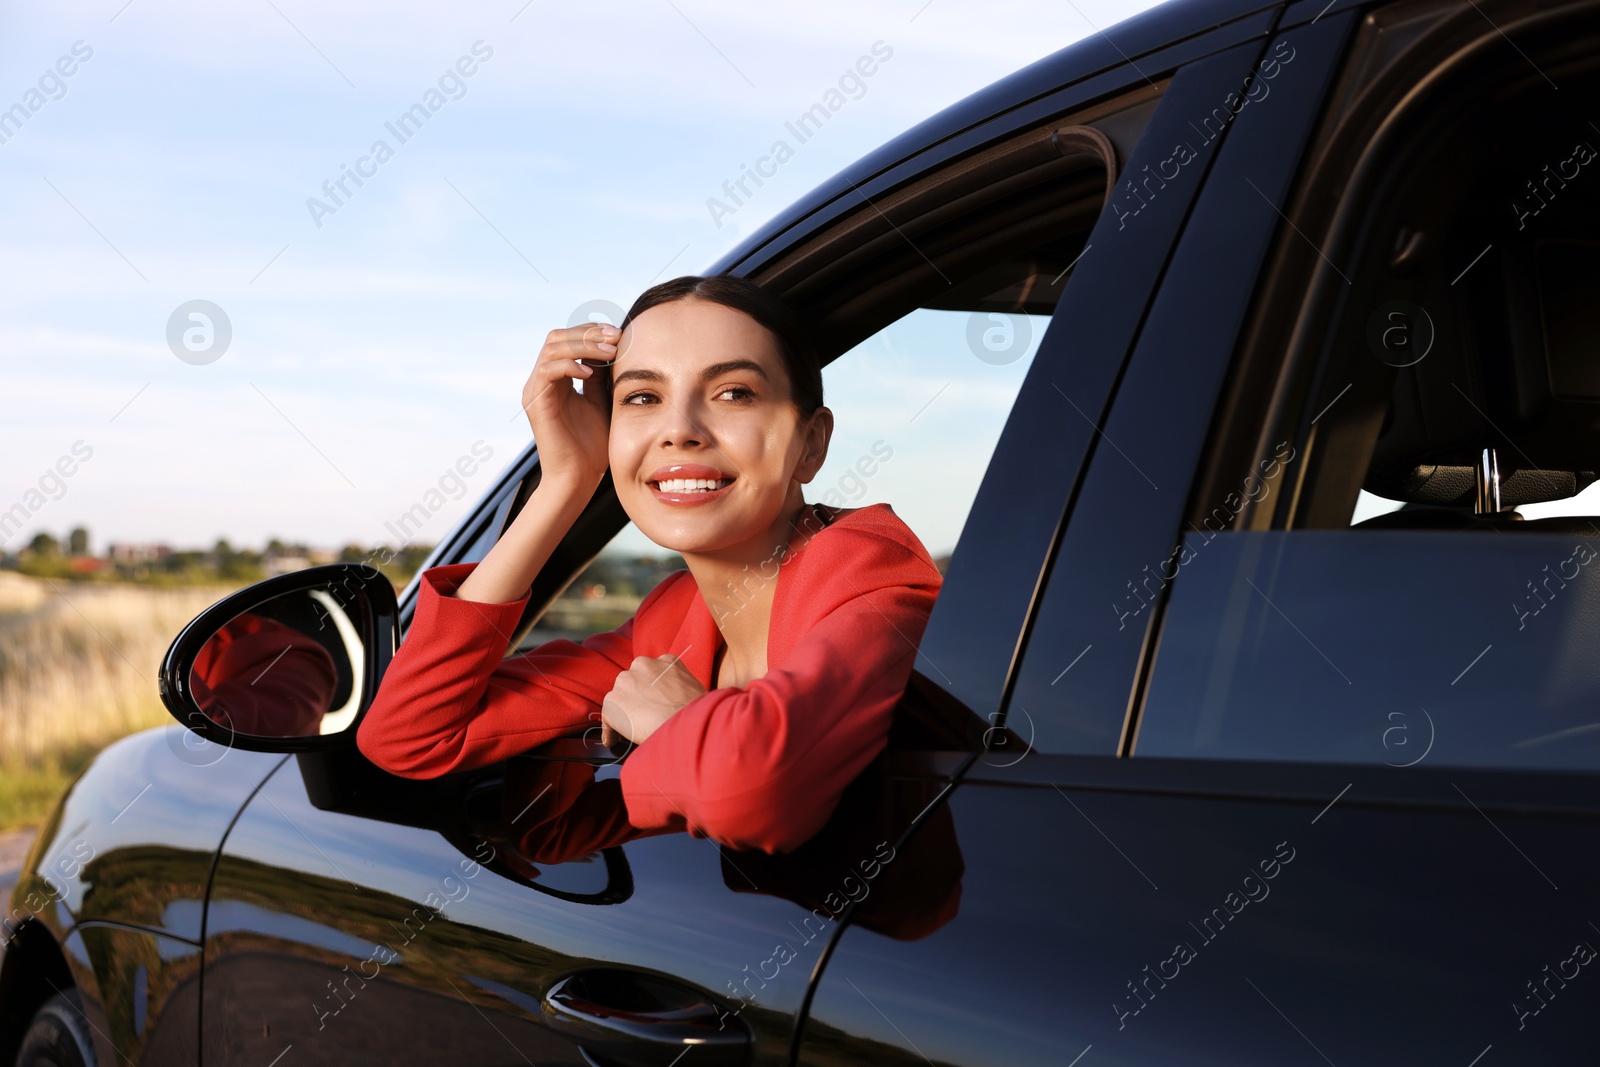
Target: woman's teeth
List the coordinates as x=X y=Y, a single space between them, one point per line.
x=691 y=485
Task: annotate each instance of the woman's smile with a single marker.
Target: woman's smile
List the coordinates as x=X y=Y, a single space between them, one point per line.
x=689 y=484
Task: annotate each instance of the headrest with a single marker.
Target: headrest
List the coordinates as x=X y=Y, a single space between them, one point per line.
x=1516 y=368
x=1452 y=486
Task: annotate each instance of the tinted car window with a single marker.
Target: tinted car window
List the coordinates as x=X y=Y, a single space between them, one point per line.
x=1390 y=646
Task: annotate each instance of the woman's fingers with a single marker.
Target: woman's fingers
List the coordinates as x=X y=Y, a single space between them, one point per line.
x=587 y=341
x=578 y=348
x=554 y=375
x=571 y=426
x=556 y=369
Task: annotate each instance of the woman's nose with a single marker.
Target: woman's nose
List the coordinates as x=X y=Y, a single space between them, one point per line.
x=679 y=427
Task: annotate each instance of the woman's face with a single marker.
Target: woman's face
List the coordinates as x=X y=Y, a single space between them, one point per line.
x=701 y=397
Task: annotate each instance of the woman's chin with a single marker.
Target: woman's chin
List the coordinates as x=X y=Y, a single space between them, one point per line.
x=685 y=530
x=684 y=537
x=702 y=527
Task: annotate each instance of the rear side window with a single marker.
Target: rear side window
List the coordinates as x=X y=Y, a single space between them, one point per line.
x=1387 y=646
x=1418 y=577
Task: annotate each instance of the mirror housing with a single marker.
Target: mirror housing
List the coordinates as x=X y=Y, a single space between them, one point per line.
x=288 y=664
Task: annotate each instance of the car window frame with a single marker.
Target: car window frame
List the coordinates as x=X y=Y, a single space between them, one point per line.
x=1265 y=144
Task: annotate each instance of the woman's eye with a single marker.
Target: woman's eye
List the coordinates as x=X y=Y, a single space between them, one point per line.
x=738 y=392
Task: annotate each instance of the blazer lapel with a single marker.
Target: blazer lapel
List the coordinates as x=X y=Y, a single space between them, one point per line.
x=698 y=639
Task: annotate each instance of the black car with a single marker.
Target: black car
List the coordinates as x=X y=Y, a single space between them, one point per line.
x=1238 y=734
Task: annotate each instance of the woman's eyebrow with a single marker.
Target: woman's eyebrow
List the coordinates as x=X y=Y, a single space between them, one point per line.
x=725 y=367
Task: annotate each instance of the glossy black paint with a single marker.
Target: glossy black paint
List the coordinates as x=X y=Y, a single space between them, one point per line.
x=627 y=1016
x=1147 y=45
x=149 y=991
x=1384 y=932
x=348 y=937
x=1424 y=899
x=131 y=845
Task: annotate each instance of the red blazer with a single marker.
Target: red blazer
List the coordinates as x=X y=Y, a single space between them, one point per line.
x=760 y=766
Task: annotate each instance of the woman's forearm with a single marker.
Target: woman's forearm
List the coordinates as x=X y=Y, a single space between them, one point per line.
x=508 y=571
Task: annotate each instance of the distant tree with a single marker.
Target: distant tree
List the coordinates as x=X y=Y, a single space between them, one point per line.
x=187 y=560
x=243 y=565
x=608 y=570
x=352 y=553
x=402 y=565
x=44 y=544
x=411 y=557
x=78 y=541
x=276 y=547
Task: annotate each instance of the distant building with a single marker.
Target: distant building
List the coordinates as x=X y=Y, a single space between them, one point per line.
x=126 y=552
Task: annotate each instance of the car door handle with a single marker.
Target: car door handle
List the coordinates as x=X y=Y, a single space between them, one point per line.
x=623 y=1018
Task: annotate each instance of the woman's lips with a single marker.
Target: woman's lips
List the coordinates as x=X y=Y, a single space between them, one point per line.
x=688 y=484
x=685 y=492
x=669 y=471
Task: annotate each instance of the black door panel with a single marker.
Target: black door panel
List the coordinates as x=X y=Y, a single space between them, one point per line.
x=338 y=934
x=1182 y=925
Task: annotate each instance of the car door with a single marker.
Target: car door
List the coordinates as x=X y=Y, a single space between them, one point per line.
x=1248 y=842
x=357 y=915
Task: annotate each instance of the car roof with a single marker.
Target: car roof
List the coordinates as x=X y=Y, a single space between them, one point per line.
x=1125 y=42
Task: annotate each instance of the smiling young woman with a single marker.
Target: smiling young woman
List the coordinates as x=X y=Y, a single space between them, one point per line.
x=758 y=682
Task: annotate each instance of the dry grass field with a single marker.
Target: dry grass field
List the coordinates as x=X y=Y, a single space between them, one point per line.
x=78 y=667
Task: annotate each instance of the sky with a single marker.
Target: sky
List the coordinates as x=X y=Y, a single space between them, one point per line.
x=176 y=152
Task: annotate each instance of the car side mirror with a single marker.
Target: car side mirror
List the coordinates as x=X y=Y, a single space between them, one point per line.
x=285 y=665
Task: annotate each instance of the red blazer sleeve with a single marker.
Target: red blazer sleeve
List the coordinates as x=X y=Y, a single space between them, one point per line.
x=763 y=766
x=449 y=702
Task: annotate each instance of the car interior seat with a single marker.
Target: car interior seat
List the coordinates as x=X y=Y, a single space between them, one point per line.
x=1509 y=413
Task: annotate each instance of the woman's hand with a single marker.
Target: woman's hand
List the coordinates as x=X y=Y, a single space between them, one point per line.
x=647 y=694
x=572 y=429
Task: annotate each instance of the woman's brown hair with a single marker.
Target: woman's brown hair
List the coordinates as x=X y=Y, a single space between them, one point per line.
x=796 y=343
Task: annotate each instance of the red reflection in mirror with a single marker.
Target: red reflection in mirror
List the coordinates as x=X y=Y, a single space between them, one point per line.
x=258 y=676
